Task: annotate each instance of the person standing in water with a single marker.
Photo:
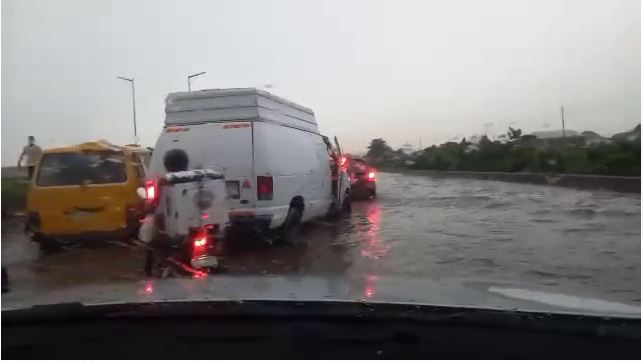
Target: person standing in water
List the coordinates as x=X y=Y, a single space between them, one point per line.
x=33 y=153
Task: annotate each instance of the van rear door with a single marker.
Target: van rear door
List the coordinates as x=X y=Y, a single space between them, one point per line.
x=222 y=146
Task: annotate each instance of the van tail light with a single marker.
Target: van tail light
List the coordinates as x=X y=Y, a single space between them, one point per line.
x=264 y=188
x=371 y=175
x=135 y=211
x=151 y=191
x=135 y=208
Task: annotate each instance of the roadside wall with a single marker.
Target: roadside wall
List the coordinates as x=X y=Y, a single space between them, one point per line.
x=623 y=184
x=13 y=172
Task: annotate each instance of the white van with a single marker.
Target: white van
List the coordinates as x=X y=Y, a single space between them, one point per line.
x=276 y=164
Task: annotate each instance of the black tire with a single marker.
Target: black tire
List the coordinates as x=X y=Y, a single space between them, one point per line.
x=288 y=232
x=347 y=205
x=5 y=280
x=373 y=193
x=150 y=262
x=46 y=244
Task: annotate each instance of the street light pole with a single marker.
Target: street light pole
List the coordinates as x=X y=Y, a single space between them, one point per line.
x=131 y=81
x=562 y=116
x=190 y=78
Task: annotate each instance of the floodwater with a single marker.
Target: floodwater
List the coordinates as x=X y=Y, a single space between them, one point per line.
x=585 y=243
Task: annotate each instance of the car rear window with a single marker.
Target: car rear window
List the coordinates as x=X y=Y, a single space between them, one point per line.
x=95 y=167
x=358 y=166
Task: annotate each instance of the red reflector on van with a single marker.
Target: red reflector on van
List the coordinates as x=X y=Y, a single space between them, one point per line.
x=236 y=126
x=264 y=187
x=246 y=184
x=176 y=129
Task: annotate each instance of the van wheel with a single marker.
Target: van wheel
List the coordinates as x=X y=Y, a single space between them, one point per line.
x=288 y=233
x=46 y=244
x=5 y=280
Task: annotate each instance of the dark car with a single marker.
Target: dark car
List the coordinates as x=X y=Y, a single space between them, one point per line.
x=363 y=178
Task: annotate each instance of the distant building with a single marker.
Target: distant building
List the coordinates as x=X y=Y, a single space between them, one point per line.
x=470 y=148
x=592 y=138
x=629 y=135
x=554 y=138
x=407 y=148
x=475 y=139
x=554 y=134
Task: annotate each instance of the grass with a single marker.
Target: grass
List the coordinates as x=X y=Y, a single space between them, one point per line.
x=14 y=194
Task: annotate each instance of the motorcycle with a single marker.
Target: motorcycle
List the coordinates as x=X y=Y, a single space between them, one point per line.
x=184 y=224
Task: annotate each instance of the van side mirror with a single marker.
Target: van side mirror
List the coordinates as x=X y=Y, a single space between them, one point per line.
x=141 y=192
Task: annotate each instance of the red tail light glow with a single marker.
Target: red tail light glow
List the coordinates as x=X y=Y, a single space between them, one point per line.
x=200 y=238
x=149 y=288
x=264 y=188
x=200 y=241
x=343 y=160
x=371 y=175
x=150 y=190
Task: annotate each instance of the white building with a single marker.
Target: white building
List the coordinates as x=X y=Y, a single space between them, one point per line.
x=408 y=148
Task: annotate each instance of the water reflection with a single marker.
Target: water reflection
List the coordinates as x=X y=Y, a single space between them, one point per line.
x=369 y=288
x=371 y=241
x=148 y=289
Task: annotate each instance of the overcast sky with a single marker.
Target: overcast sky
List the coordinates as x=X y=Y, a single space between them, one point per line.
x=402 y=70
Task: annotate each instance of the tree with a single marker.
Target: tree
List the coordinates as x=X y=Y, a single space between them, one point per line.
x=378 y=152
x=514 y=134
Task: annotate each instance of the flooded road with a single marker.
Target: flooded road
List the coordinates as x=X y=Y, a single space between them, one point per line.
x=557 y=239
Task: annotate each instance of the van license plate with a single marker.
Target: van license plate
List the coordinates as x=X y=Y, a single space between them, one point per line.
x=205 y=262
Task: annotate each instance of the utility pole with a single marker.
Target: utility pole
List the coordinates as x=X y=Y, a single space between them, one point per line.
x=190 y=79
x=131 y=81
x=562 y=116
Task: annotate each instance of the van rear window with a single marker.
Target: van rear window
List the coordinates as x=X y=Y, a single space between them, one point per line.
x=94 y=167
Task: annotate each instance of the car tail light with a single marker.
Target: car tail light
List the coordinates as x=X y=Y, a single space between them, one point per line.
x=135 y=207
x=371 y=175
x=343 y=162
x=151 y=191
x=264 y=188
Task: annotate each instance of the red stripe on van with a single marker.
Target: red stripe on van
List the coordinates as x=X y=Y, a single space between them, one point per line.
x=176 y=129
x=236 y=126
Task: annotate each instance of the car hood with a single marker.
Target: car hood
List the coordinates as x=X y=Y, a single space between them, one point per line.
x=494 y=295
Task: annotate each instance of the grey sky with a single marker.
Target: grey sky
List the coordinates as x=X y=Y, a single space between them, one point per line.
x=402 y=70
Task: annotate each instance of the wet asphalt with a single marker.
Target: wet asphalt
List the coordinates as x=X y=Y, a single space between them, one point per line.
x=564 y=240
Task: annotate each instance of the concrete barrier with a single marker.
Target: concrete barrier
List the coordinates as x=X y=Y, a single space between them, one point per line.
x=13 y=172
x=623 y=184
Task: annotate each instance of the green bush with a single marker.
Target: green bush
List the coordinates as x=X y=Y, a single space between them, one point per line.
x=14 y=194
